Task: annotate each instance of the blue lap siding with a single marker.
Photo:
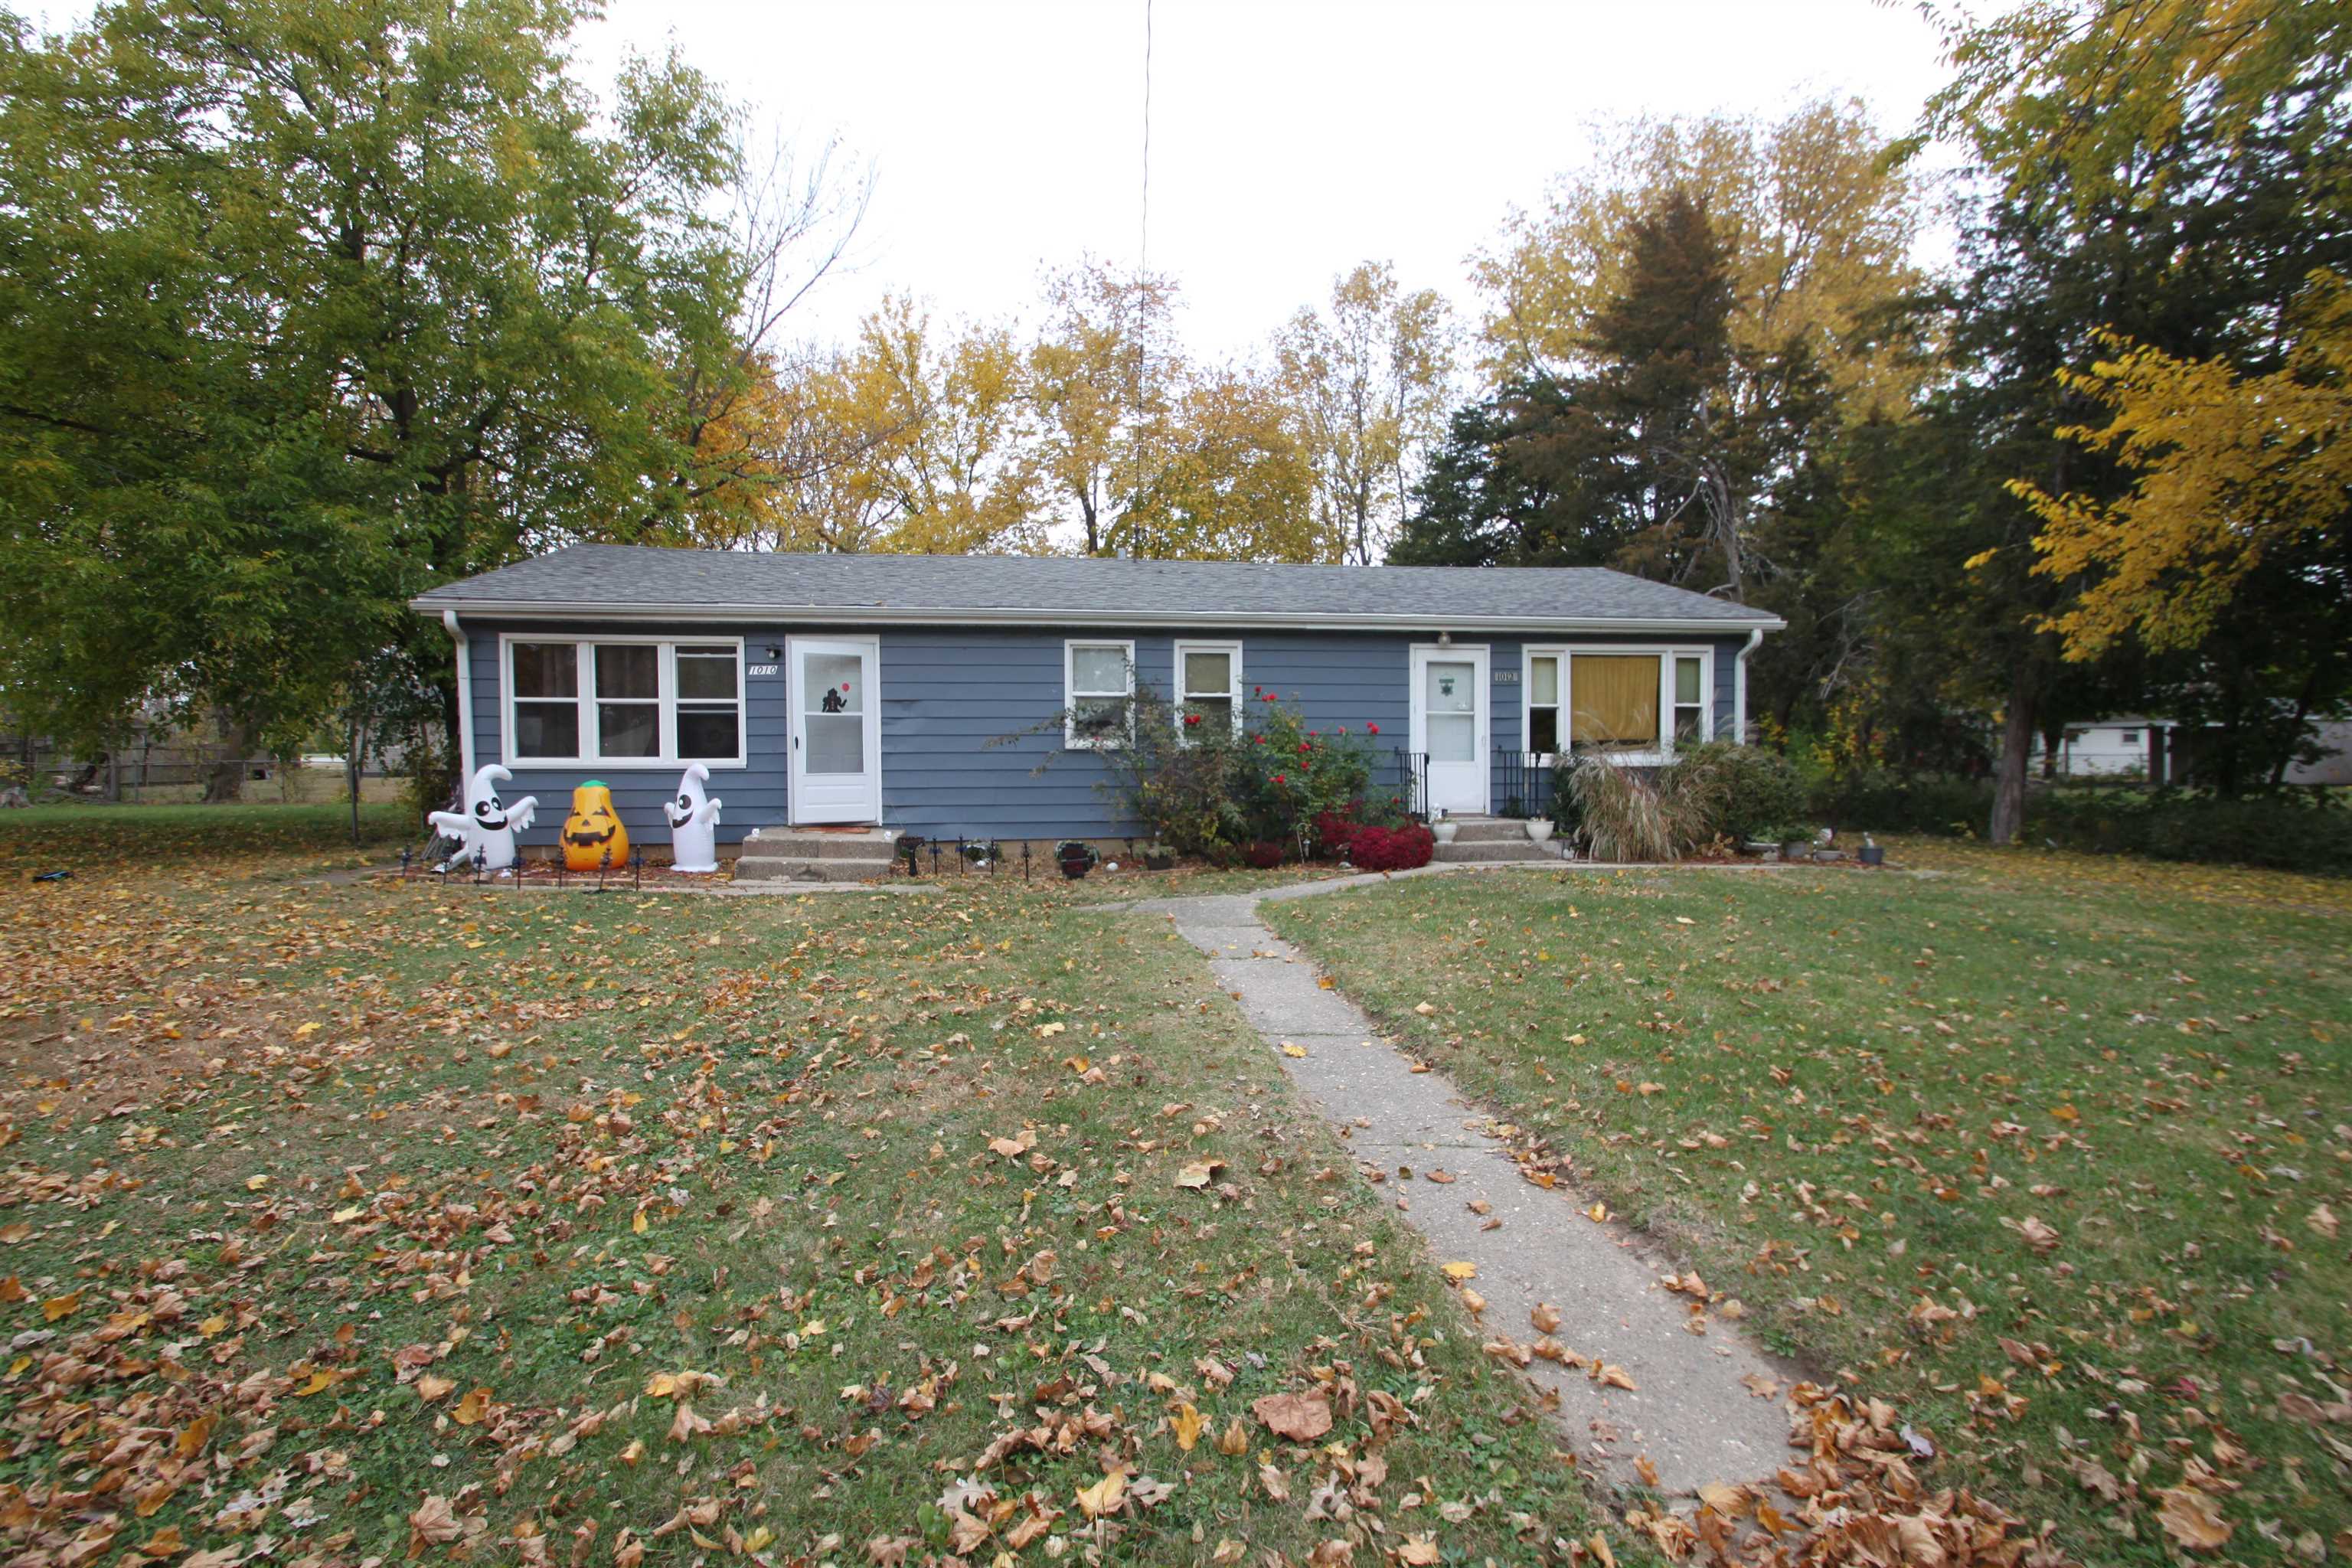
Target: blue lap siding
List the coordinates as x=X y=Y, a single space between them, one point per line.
x=971 y=743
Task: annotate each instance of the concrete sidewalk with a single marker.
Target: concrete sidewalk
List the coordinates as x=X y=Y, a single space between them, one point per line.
x=1705 y=1405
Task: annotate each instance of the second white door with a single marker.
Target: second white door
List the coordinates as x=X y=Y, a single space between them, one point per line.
x=836 y=723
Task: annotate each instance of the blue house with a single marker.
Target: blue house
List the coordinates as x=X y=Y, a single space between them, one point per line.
x=923 y=694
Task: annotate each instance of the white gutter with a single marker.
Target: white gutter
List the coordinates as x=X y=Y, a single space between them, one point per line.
x=1739 y=685
x=465 y=695
x=545 y=610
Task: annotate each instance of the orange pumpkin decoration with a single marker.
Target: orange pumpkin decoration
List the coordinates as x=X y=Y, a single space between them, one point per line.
x=594 y=837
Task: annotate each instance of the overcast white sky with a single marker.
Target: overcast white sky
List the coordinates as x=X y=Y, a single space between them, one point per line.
x=1290 y=139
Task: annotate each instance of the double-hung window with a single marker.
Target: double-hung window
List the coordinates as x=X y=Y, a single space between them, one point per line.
x=1098 y=693
x=1209 y=687
x=1637 y=705
x=623 y=701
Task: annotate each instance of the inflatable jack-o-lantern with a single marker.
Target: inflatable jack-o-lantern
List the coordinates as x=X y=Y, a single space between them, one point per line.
x=594 y=837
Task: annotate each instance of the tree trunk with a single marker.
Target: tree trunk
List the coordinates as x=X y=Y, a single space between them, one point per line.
x=225 y=781
x=2016 y=745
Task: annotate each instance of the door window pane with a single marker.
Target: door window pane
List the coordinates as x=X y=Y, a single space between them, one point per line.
x=628 y=671
x=832 y=683
x=836 y=743
x=1616 y=700
x=1452 y=687
x=1452 y=738
x=833 y=712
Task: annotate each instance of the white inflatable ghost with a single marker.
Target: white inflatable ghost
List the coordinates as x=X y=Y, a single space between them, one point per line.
x=693 y=823
x=488 y=823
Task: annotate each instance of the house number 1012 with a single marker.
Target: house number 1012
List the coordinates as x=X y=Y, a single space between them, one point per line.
x=762 y=669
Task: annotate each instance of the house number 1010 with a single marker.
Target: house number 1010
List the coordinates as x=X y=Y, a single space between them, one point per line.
x=762 y=669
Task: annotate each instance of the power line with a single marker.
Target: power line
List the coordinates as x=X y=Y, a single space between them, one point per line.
x=1143 y=238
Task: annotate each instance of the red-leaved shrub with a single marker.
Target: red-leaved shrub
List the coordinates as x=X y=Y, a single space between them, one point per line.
x=1263 y=855
x=1391 y=848
x=1335 y=831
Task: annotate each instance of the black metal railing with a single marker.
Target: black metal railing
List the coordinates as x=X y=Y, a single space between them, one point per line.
x=1404 y=780
x=1522 y=783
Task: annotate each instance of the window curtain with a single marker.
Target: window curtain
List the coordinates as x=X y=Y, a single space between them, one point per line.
x=1616 y=698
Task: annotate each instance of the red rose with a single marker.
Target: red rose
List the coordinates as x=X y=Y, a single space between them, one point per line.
x=1375 y=728
x=1277 y=778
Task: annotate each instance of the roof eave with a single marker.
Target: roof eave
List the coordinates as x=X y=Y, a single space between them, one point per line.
x=889 y=616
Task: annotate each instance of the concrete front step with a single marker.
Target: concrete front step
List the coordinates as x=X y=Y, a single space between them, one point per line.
x=1489 y=829
x=1492 y=852
x=811 y=868
x=803 y=844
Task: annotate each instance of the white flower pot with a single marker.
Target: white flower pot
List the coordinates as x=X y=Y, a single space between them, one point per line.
x=1444 y=830
x=1539 y=829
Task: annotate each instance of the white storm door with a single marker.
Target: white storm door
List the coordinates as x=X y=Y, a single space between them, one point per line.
x=836 y=723
x=1449 y=725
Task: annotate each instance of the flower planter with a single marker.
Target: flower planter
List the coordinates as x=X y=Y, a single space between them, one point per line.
x=1444 y=830
x=1761 y=850
x=1075 y=866
x=1872 y=854
x=1796 y=848
x=1159 y=862
x=1539 y=829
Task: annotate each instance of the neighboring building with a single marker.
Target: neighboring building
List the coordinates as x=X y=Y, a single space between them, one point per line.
x=2104 y=748
x=2334 y=765
x=968 y=695
x=2159 y=749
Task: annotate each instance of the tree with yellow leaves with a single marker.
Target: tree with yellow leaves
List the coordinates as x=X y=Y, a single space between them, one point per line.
x=2231 y=470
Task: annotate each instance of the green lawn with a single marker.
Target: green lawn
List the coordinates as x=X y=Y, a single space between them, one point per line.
x=2054 y=1154
x=78 y=836
x=596 y=1229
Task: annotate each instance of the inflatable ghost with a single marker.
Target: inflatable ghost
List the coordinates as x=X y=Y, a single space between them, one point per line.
x=488 y=825
x=693 y=823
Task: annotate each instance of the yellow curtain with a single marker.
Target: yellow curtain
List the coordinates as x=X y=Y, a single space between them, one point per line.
x=1616 y=698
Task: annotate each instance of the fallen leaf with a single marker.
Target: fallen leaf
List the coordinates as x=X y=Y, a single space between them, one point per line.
x=1103 y=1496
x=1188 y=1424
x=1301 y=1417
x=2193 y=1519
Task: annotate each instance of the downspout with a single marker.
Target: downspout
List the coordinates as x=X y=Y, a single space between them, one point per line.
x=466 y=694
x=1740 y=686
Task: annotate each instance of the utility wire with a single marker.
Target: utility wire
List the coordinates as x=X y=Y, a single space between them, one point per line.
x=1143 y=239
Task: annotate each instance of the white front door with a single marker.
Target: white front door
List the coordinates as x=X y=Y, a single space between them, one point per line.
x=836 y=723
x=1449 y=725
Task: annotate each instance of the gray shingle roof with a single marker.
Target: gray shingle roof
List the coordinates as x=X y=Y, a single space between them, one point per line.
x=608 y=580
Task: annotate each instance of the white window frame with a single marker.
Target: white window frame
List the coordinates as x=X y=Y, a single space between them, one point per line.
x=1071 y=739
x=1233 y=650
x=667 y=697
x=1667 y=653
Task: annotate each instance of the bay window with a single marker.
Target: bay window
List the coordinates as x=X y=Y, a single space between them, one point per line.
x=623 y=701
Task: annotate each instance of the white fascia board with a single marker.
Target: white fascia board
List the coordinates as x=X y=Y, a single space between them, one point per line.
x=545 y=610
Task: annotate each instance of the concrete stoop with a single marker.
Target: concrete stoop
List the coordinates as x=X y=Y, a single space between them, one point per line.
x=1491 y=840
x=811 y=855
